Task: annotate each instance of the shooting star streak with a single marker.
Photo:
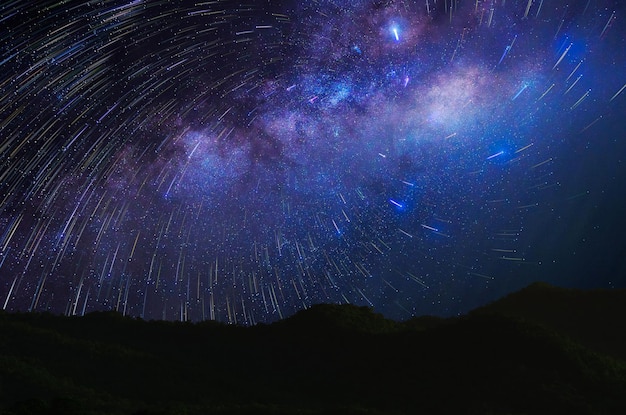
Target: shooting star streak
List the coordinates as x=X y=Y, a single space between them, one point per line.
x=405 y=233
x=562 y=56
x=499 y=153
x=618 y=93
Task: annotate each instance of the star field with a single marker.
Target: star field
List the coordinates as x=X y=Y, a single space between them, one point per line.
x=238 y=162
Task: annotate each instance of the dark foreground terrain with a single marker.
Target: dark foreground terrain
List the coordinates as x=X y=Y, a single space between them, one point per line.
x=543 y=350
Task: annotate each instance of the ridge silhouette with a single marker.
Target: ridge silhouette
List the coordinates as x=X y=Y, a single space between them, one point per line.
x=530 y=352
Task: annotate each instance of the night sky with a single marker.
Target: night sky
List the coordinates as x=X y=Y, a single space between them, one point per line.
x=241 y=161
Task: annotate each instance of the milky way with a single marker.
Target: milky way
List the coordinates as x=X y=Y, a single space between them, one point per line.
x=239 y=162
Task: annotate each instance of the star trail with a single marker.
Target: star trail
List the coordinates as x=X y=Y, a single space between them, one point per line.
x=190 y=160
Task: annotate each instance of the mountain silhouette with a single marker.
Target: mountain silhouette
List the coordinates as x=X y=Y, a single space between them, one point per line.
x=542 y=350
x=594 y=318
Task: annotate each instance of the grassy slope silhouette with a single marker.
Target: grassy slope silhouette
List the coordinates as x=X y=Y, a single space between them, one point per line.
x=541 y=350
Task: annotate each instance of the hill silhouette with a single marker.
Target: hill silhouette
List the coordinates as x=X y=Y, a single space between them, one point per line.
x=594 y=318
x=520 y=355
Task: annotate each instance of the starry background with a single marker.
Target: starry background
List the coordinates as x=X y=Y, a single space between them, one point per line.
x=242 y=161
